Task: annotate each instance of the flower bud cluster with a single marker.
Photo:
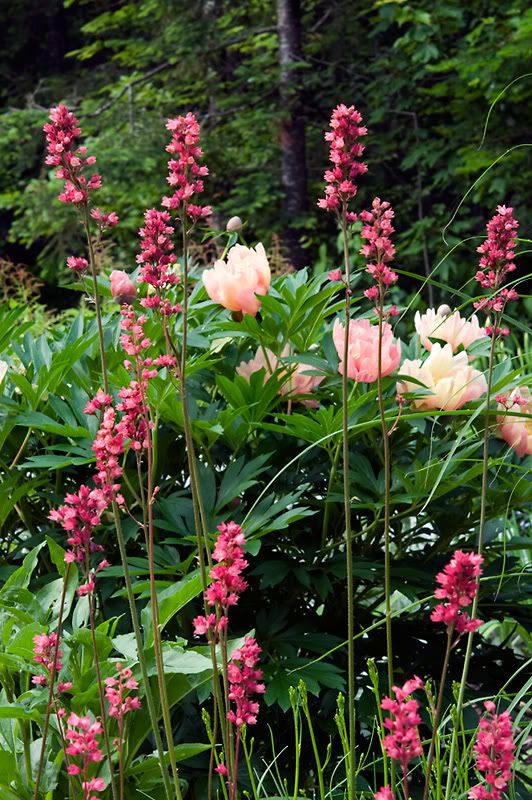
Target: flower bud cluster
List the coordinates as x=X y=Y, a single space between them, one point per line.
x=345 y=154
x=457 y=588
x=185 y=172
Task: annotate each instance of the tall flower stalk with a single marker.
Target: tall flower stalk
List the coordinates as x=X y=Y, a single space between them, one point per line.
x=458 y=590
x=379 y=252
x=72 y=162
x=497 y=260
x=345 y=153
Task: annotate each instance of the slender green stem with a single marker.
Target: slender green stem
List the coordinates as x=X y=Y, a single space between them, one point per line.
x=52 y=677
x=247 y=756
x=157 y=646
x=92 y=264
x=347 y=514
x=297 y=746
x=319 y=768
x=437 y=712
x=140 y=651
x=481 y=529
x=387 y=476
x=101 y=696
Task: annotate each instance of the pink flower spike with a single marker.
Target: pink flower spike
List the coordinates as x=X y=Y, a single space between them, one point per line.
x=402 y=741
x=384 y=794
x=344 y=154
x=497 y=260
x=457 y=587
x=186 y=174
x=335 y=275
x=494 y=754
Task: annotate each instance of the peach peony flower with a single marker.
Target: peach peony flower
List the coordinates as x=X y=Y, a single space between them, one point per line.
x=363 y=352
x=295 y=381
x=517 y=431
x=451 y=380
x=448 y=326
x=123 y=289
x=235 y=283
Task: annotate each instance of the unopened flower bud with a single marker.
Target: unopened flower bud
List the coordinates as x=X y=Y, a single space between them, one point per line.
x=123 y=289
x=234 y=224
x=444 y=310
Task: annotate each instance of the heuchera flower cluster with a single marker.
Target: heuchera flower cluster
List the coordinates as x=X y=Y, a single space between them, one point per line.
x=403 y=742
x=62 y=131
x=157 y=259
x=117 y=692
x=228 y=583
x=494 y=754
x=496 y=262
x=379 y=250
x=244 y=677
x=71 y=161
x=457 y=588
x=78 y=517
x=345 y=153
x=185 y=172
x=46 y=651
x=82 y=734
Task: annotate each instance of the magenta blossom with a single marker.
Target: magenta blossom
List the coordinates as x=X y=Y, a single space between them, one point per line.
x=244 y=677
x=457 y=588
x=157 y=260
x=71 y=161
x=118 y=693
x=379 y=250
x=228 y=583
x=496 y=262
x=402 y=741
x=186 y=174
x=494 y=754
x=345 y=154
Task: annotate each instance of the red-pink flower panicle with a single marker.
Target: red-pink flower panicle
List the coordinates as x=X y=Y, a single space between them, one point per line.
x=228 y=583
x=157 y=259
x=494 y=754
x=71 y=161
x=403 y=742
x=46 y=651
x=83 y=734
x=78 y=265
x=186 y=174
x=118 y=693
x=457 y=588
x=497 y=260
x=384 y=794
x=379 y=250
x=244 y=682
x=345 y=154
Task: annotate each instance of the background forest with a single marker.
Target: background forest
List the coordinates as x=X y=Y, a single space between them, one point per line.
x=445 y=89
x=262 y=78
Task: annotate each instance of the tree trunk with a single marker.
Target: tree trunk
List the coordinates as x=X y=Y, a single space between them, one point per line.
x=293 y=159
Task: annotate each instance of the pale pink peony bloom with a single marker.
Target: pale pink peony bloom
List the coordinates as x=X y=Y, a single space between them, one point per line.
x=235 y=283
x=517 y=431
x=449 y=327
x=363 y=350
x=295 y=377
x=122 y=287
x=263 y=359
x=452 y=382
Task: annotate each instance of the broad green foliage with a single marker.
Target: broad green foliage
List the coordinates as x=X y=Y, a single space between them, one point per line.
x=273 y=466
